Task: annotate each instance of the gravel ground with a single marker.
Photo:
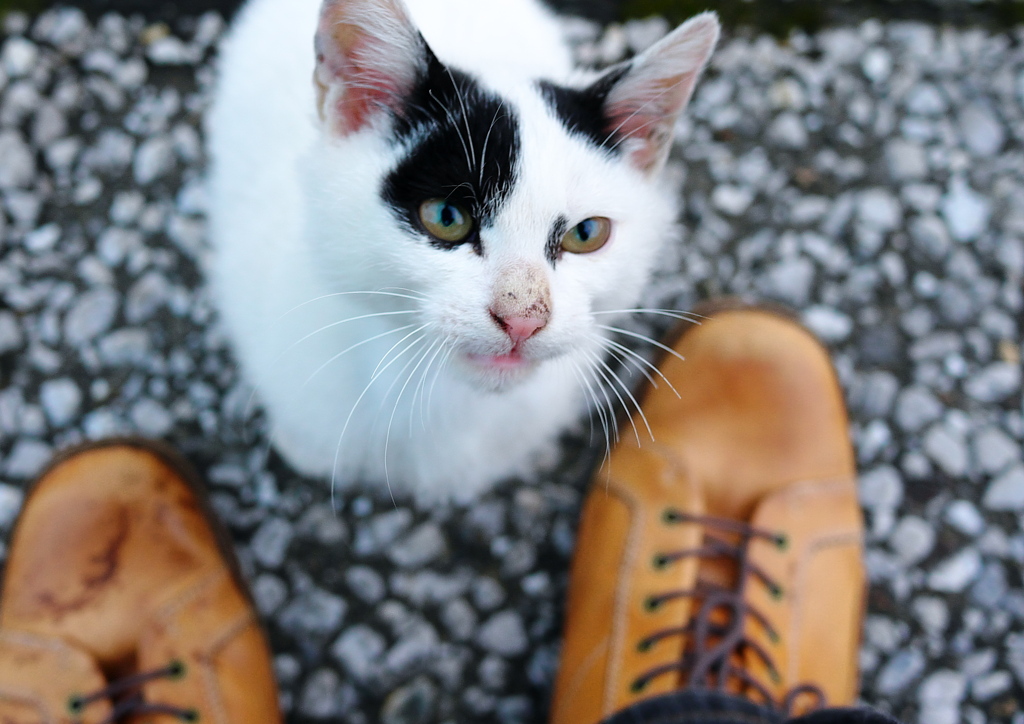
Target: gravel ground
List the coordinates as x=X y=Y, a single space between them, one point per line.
x=870 y=176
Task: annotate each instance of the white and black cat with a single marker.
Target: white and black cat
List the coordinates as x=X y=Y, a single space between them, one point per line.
x=424 y=220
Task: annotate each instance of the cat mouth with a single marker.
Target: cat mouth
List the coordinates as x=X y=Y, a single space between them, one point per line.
x=510 y=362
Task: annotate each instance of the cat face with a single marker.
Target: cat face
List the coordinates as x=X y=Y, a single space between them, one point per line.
x=513 y=208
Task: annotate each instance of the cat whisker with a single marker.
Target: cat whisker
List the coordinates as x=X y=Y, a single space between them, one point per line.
x=623 y=349
x=643 y=337
x=355 y=346
x=433 y=383
x=673 y=313
x=609 y=376
x=345 y=294
x=380 y=370
x=324 y=328
x=593 y=406
x=398 y=401
x=623 y=359
x=415 y=331
x=605 y=415
x=418 y=392
x=455 y=125
x=465 y=115
x=487 y=138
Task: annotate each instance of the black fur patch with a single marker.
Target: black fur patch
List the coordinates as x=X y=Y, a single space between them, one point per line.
x=469 y=153
x=554 y=247
x=582 y=111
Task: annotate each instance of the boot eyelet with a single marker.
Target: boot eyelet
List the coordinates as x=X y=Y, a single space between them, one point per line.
x=176 y=669
x=782 y=542
x=76 y=705
x=644 y=646
x=777 y=592
x=671 y=516
x=638 y=686
x=191 y=715
x=773 y=636
x=652 y=604
x=660 y=562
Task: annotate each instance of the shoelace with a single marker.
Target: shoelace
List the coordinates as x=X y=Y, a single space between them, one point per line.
x=715 y=642
x=133 y=704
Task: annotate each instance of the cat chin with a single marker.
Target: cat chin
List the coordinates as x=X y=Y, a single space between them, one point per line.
x=497 y=373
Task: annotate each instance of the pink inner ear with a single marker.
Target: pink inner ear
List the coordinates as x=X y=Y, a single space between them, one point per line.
x=644 y=116
x=368 y=89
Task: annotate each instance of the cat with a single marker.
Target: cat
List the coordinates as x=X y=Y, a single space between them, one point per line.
x=423 y=222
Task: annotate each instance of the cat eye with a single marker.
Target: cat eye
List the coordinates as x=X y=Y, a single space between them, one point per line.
x=587 y=236
x=445 y=220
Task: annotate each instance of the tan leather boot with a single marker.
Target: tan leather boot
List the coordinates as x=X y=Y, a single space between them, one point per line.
x=122 y=602
x=727 y=553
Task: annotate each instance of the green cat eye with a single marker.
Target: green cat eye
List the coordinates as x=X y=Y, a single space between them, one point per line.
x=445 y=220
x=587 y=236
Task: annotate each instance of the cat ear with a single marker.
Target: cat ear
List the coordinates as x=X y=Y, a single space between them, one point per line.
x=368 y=58
x=650 y=91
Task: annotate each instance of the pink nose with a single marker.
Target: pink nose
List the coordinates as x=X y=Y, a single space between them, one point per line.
x=519 y=329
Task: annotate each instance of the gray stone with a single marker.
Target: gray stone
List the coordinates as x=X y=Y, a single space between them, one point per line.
x=366 y=584
x=788 y=131
x=947 y=449
x=915 y=408
x=270 y=542
x=11 y=499
x=990 y=589
x=966 y=211
x=17 y=162
x=994 y=450
x=61 y=399
x=125 y=346
x=954 y=574
x=1007 y=491
x=732 y=200
x=964 y=516
x=503 y=634
x=942 y=686
x=359 y=649
x=487 y=593
x=989 y=686
x=790 y=280
x=323 y=524
x=269 y=593
x=91 y=315
x=11 y=336
x=459 y=618
x=878 y=209
x=829 y=324
x=874 y=393
x=994 y=383
x=983 y=133
x=145 y=297
x=932 y=613
x=381 y=531
x=414 y=703
x=153 y=159
x=151 y=418
x=27 y=458
x=926 y=100
x=912 y=540
x=906 y=160
x=319 y=699
x=18 y=57
x=313 y=613
x=418 y=645
x=881 y=487
x=423 y=545
x=900 y=671
x=931 y=236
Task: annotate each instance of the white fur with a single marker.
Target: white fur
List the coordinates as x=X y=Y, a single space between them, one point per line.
x=299 y=230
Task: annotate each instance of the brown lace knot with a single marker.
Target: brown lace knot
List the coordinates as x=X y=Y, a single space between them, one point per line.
x=717 y=630
x=129 y=701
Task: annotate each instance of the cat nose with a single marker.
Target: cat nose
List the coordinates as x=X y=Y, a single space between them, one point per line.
x=519 y=329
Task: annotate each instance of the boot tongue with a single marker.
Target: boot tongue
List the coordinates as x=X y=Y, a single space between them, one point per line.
x=42 y=675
